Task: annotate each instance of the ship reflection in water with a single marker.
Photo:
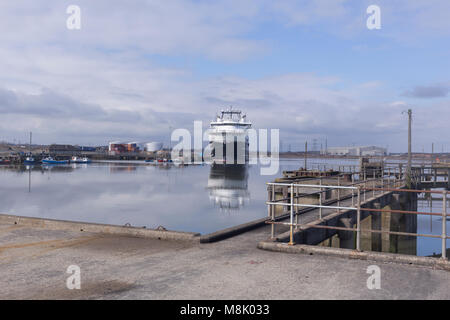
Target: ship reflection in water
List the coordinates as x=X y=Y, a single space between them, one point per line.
x=228 y=186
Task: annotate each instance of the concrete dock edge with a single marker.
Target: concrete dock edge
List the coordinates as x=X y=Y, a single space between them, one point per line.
x=437 y=263
x=232 y=231
x=241 y=228
x=98 y=228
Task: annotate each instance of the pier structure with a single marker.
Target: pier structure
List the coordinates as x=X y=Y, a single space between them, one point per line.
x=365 y=210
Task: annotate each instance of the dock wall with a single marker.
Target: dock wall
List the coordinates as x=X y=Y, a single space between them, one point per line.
x=98 y=228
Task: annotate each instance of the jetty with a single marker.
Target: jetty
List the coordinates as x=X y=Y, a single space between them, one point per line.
x=373 y=209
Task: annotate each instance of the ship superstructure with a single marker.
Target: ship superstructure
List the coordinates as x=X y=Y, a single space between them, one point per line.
x=228 y=137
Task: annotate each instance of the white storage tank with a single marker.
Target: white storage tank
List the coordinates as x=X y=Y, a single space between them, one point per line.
x=153 y=146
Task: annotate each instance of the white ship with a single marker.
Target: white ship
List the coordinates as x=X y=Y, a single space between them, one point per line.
x=228 y=138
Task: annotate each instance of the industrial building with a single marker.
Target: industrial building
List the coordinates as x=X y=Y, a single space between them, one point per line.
x=153 y=146
x=355 y=151
x=118 y=147
x=62 y=149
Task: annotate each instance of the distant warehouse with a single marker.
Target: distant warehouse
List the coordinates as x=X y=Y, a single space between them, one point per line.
x=153 y=146
x=67 y=149
x=118 y=147
x=356 y=151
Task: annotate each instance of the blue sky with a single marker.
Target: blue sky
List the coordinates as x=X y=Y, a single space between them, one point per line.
x=309 y=68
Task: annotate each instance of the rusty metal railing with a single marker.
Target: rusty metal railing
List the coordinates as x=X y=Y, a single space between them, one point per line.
x=360 y=188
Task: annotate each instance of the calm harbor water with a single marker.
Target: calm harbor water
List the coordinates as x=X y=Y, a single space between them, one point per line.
x=430 y=225
x=192 y=198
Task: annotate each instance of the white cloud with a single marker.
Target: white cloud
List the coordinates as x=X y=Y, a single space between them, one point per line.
x=107 y=74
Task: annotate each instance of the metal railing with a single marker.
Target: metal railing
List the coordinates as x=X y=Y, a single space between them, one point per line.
x=359 y=190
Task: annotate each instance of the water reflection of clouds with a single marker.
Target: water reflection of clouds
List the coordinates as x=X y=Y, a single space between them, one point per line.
x=177 y=198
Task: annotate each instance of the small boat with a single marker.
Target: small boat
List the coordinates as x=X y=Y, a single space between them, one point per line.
x=5 y=161
x=29 y=160
x=50 y=160
x=177 y=162
x=80 y=160
x=150 y=160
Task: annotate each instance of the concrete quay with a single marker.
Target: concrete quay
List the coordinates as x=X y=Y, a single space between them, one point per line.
x=34 y=260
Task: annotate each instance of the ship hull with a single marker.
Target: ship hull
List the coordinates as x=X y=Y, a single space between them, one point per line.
x=55 y=161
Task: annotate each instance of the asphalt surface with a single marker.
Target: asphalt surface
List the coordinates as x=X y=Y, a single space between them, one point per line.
x=34 y=261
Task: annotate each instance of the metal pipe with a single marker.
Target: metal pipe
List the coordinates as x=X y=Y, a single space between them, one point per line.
x=403 y=190
x=272 y=231
x=358 y=222
x=444 y=224
x=435 y=177
x=409 y=149
x=311 y=206
x=320 y=200
x=297 y=202
x=306 y=155
x=304 y=226
x=373 y=184
x=291 y=242
x=309 y=185
x=353 y=192
x=365 y=181
x=339 y=194
x=401 y=211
